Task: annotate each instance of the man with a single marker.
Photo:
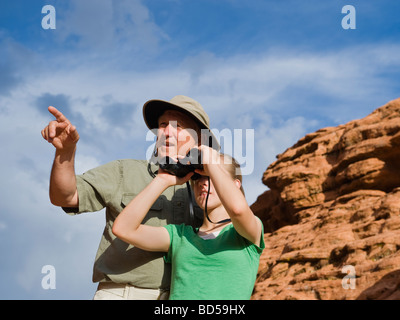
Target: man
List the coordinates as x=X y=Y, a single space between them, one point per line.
x=123 y=271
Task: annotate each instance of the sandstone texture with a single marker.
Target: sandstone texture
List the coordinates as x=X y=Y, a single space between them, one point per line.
x=332 y=214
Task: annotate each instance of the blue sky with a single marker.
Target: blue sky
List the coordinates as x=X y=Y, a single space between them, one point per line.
x=280 y=68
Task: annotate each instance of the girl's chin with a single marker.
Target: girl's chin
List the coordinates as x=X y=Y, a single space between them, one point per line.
x=201 y=202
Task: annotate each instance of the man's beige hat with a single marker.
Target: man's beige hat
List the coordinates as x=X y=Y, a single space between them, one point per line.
x=153 y=109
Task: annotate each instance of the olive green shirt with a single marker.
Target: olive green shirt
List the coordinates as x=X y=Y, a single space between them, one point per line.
x=113 y=186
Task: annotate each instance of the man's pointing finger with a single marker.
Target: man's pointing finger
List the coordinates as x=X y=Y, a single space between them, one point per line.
x=57 y=114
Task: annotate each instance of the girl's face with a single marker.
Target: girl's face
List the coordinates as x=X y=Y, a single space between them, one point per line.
x=200 y=193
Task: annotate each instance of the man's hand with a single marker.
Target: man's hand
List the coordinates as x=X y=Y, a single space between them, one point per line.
x=60 y=132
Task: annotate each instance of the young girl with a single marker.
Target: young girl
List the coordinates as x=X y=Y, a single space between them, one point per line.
x=220 y=260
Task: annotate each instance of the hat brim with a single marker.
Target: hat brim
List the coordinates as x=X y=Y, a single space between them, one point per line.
x=153 y=109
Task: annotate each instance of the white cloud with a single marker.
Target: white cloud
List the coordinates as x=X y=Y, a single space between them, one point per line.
x=85 y=162
x=123 y=28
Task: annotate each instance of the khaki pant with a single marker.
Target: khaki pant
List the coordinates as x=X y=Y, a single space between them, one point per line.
x=117 y=291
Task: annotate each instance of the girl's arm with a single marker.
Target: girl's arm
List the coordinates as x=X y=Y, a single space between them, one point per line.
x=232 y=198
x=127 y=226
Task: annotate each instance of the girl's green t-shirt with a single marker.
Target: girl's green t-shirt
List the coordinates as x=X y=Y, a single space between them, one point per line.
x=224 y=268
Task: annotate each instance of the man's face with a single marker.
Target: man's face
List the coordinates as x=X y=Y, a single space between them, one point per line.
x=176 y=134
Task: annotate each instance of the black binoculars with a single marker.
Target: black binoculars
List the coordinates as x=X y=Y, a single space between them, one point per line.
x=182 y=167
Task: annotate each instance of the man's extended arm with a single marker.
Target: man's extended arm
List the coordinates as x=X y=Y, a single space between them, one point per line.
x=64 y=137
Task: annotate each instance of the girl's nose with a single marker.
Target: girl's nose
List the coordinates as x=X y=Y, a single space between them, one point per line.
x=203 y=180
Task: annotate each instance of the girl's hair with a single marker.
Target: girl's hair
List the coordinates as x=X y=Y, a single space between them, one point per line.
x=233 y=168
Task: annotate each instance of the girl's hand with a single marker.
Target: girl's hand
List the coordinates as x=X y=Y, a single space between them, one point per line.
x=171 y=180
x=209 y=156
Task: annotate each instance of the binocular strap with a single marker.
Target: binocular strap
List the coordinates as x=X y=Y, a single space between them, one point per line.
x=191 y=208
x=205 y=209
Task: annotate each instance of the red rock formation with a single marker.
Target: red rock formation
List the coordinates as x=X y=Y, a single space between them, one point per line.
x=334 y=201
